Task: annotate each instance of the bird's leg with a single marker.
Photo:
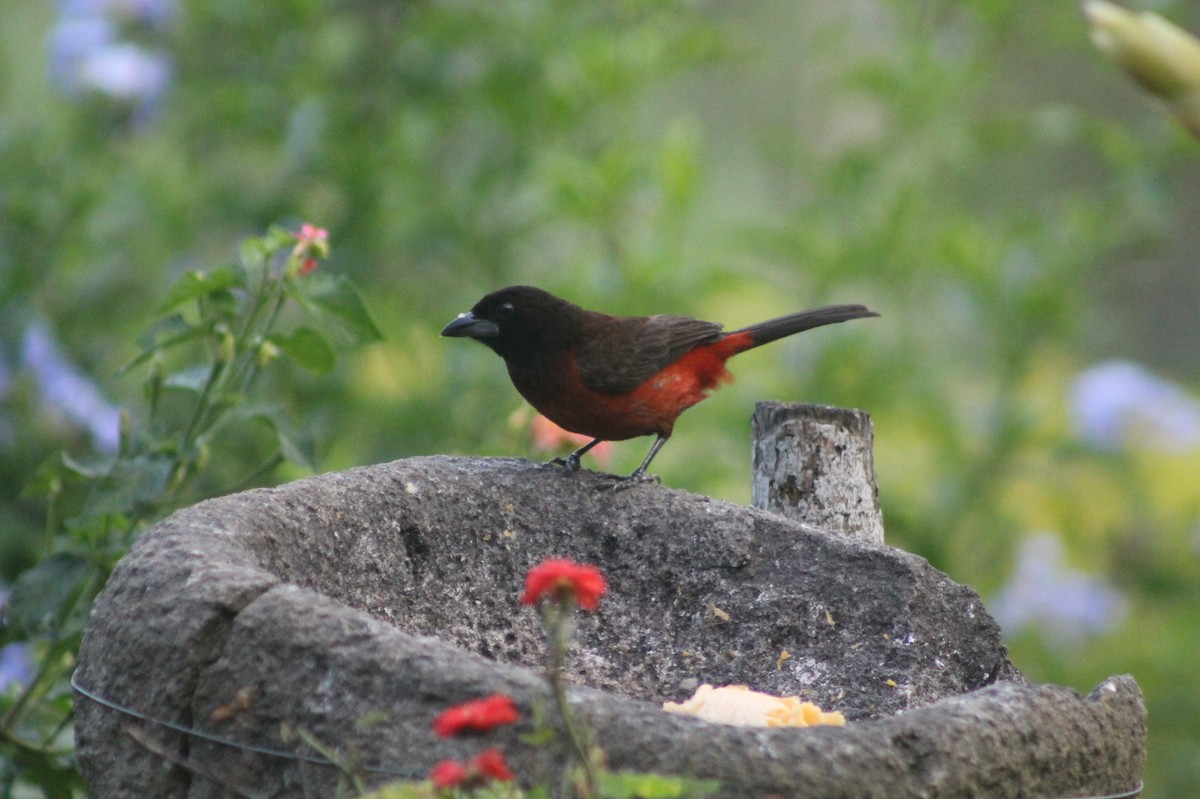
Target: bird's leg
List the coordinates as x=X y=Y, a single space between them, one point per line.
x=572 y=461
x=639 y=474
x=640 y=471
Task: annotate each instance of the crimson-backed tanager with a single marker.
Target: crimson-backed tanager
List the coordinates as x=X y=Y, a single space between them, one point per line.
x=617 y=377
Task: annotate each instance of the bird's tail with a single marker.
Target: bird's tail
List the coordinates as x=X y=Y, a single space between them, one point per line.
x=773 y=329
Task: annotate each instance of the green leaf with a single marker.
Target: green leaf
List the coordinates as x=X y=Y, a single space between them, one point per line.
x=192 y=379
x=222 y=305
x=372 y=719
x=335 y=301
x=53 y=772
x=297 y=446
x=195 y=285
x=164 y=334
x=402 y=790
x=308 y=348
x=89 y=468
x=278 y=238
x=539 y=736
x=628 y=785
x=62 y=473
x=39 y=594
x=167 y=328
x=132 y=483
x=254 y=255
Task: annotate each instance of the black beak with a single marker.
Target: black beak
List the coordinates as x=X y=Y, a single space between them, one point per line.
x=467 y=326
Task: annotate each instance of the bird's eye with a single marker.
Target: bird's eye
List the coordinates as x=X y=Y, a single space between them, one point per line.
x=505 y=310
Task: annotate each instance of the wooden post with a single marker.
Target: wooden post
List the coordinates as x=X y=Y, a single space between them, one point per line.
x=814 y=464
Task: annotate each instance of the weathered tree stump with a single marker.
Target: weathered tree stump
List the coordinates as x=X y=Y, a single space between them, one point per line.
x=816 y=464
x=387 y=593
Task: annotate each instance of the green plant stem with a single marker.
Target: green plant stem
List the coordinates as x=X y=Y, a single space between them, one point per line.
x=112 y=511
x=17 y=742
x=51 y=666
x=247 y=373
x=241 y=369
x=221 y=369
x=202 y=420
x=189 y=433
x=557 y=621
x=280 y=299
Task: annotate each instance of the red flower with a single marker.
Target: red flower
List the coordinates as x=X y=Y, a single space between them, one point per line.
x=478 y=715
x=447 y=774
x=564 y=578
x=488 y=765
x=491 y=762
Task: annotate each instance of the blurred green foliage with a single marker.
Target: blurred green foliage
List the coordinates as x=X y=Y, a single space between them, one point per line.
x=217 y=336
x=971 y=169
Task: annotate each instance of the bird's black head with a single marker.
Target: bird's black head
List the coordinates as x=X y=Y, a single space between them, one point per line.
x=518 y=319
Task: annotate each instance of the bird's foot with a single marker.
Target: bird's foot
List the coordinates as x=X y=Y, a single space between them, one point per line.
x=619 y=484
x=569 y=463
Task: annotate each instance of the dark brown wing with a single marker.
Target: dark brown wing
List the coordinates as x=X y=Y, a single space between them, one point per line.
x=623 y=351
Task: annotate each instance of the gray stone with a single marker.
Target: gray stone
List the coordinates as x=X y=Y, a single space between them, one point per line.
x=356 y=606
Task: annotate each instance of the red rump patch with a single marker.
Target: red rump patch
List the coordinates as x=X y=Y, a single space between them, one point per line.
x=686 y=382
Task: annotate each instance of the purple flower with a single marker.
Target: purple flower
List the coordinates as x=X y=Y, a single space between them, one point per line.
x=73 y=41
x=88 y=53
x=67 y=391
x=16 y=667
x=152 y=13
x=1043 y=592
x=127 y=72
x=1119 y=403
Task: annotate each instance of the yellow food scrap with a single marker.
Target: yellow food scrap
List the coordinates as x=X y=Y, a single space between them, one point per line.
x=784 y=655
x=241 y=701
x=738 y=705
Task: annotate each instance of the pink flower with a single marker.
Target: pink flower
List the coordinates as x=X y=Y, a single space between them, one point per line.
x=479 y=715
x=310 y=234
x=549 y=437
x=312 y=242
x=565 y=578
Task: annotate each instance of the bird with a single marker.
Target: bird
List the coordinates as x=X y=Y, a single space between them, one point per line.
x=614 y=378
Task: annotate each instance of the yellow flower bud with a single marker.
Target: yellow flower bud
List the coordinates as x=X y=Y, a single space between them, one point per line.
x=125 y=432
x=1163 y=58
x=227 y=343
x=154 y=380
x=267 y=352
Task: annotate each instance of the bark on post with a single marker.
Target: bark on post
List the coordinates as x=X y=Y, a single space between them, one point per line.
x=814 y=464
